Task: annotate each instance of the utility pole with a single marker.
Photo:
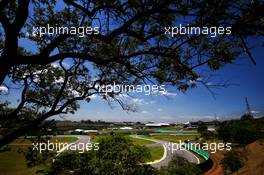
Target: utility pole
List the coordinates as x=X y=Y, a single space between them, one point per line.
x=248 y=107
x=215 y=116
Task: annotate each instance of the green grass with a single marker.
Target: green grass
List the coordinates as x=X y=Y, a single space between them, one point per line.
x=172 y=138
x=189 y=132
x=166 y=131
x=13 y=162
x=52 y=139
x=64 y=139
x=120 y=131
x=156 y=153
x=137 y=141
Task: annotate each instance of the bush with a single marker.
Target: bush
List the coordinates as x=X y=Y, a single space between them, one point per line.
x=233 y=161
x=241 y=132
x=180 y=166
x=146 y=133
x=117 y=155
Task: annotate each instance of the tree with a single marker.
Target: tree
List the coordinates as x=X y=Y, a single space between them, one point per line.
x=240 y=131
x=233 y=161
x=203 y=130
x=116 y=155
x=180 y=166
x=224 y=132
x=131 y=47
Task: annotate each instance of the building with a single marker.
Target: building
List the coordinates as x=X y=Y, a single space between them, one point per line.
x=126 y=128
x=157 y=124
x=195 y=125
x=90 y=132
x=78 y=130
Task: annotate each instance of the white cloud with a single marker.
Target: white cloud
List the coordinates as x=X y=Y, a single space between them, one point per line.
x=144 y=112
x=159 y=109
x=151 y=102
x=4 y=90
x=192 y=81
x=122 y=96
x=254 y=112
x=55 y=65
x=59 y=80
x=137 y=101
x=209 y=84
x=166 y=93
x=75 y=93
x=92 y=97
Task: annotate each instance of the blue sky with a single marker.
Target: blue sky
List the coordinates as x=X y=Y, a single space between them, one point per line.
x=195 y=104
x=245 y=78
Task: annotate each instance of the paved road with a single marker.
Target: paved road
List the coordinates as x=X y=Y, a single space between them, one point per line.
x=168 y=153
x=81 y=139
x=167 y=146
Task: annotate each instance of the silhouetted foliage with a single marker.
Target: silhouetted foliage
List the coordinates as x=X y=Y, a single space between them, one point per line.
x=203 y=130
x=55 y=71
x=242 y=132
x=180 y=166
x=233 y=161
x=116 y=155
x=247 y=116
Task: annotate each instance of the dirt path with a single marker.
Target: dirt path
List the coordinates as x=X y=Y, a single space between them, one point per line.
x=217 y=168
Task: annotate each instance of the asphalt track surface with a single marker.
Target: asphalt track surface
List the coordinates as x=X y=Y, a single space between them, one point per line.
x=84 y=139
x=169 y=150
x=169 y=153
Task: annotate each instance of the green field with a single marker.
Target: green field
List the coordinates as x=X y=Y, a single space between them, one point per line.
x=120 y=131
x=156 y=152
x=13 y=162
x=175 y=131
x=172 y=138
x=64 y=139
x=134 y=140
x=137 y=141
x=52 y=139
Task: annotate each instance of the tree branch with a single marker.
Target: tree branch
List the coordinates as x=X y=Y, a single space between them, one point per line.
x=247 y=50
x=3 y=4
x=21 y=16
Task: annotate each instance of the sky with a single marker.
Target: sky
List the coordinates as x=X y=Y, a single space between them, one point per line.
x=246 y=80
